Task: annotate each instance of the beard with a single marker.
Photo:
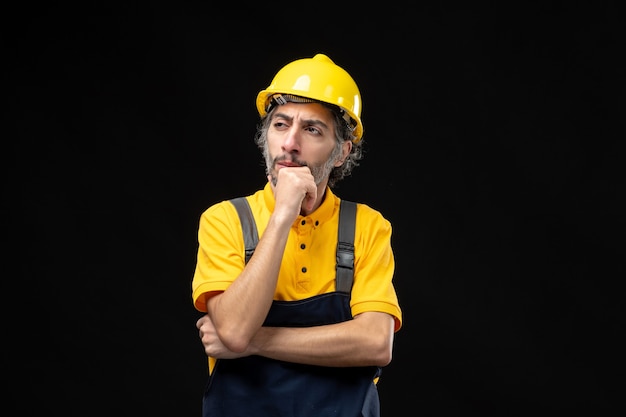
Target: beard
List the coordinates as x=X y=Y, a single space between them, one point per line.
x=320 y=172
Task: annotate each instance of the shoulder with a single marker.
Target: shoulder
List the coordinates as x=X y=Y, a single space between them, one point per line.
x=221 y=209
x=222 y=215
x=371 y=221
x=226 y=212
x=368 y=212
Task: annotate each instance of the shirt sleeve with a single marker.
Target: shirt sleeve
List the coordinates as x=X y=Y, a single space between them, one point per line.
x=374 y=266
x=220 y=257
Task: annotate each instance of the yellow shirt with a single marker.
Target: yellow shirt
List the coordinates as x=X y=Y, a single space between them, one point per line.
x=308 y=265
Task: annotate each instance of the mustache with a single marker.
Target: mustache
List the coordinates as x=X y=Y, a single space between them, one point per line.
x=288 y=158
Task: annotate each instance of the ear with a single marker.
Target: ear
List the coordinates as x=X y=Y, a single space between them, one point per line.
x=346 y=147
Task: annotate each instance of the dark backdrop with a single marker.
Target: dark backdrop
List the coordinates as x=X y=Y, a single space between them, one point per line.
x=494 y=144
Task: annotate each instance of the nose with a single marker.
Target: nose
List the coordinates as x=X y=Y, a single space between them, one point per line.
x=291 y=140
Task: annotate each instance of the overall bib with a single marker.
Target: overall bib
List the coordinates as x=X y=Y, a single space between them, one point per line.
x=256 y=386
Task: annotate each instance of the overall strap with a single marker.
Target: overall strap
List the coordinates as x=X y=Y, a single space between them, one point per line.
x=345 y=246
x=248 y=225
x=345 y=243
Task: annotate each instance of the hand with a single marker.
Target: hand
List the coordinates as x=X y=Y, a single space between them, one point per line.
x=213 y=346
x=295 y=191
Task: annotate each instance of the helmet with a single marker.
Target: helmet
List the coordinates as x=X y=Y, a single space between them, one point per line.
x=317 y=78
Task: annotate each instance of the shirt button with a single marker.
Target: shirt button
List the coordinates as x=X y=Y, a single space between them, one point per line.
x=304 y=269
x=303 y=222
x=302 y=246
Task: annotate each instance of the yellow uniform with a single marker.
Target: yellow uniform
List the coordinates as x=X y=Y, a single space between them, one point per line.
x=308 y=266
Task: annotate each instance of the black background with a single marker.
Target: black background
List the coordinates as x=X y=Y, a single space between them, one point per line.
x=494 y=144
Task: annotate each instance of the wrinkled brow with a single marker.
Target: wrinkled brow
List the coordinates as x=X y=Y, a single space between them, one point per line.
x=308 y=122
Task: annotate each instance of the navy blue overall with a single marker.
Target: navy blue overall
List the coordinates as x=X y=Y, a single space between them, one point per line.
x=256 y=386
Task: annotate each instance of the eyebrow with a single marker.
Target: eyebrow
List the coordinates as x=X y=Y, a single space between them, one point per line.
x=308 y=122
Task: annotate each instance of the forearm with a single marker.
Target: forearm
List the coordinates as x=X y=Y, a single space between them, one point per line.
x=365 y=341
x=240 y=310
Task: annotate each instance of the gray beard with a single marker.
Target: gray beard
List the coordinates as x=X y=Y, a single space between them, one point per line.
x=319 y=172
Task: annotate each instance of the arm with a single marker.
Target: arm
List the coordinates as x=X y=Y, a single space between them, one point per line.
x=239 y=311
x=367 y=340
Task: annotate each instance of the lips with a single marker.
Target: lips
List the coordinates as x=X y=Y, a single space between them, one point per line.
x=288 y=164
x=287 y=161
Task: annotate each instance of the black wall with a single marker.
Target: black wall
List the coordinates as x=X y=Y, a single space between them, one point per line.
x=494 y=144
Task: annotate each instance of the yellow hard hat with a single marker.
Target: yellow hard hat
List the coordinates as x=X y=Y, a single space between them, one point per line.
x=317 y=78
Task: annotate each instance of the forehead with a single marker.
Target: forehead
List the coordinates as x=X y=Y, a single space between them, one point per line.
x=304 y=111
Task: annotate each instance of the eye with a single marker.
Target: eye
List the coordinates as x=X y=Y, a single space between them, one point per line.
x=279 y=124
x=314 y=130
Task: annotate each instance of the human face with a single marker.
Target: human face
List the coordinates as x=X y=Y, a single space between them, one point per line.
x=302 y=134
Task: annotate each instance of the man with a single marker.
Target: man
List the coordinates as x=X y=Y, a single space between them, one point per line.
x=304 y=326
